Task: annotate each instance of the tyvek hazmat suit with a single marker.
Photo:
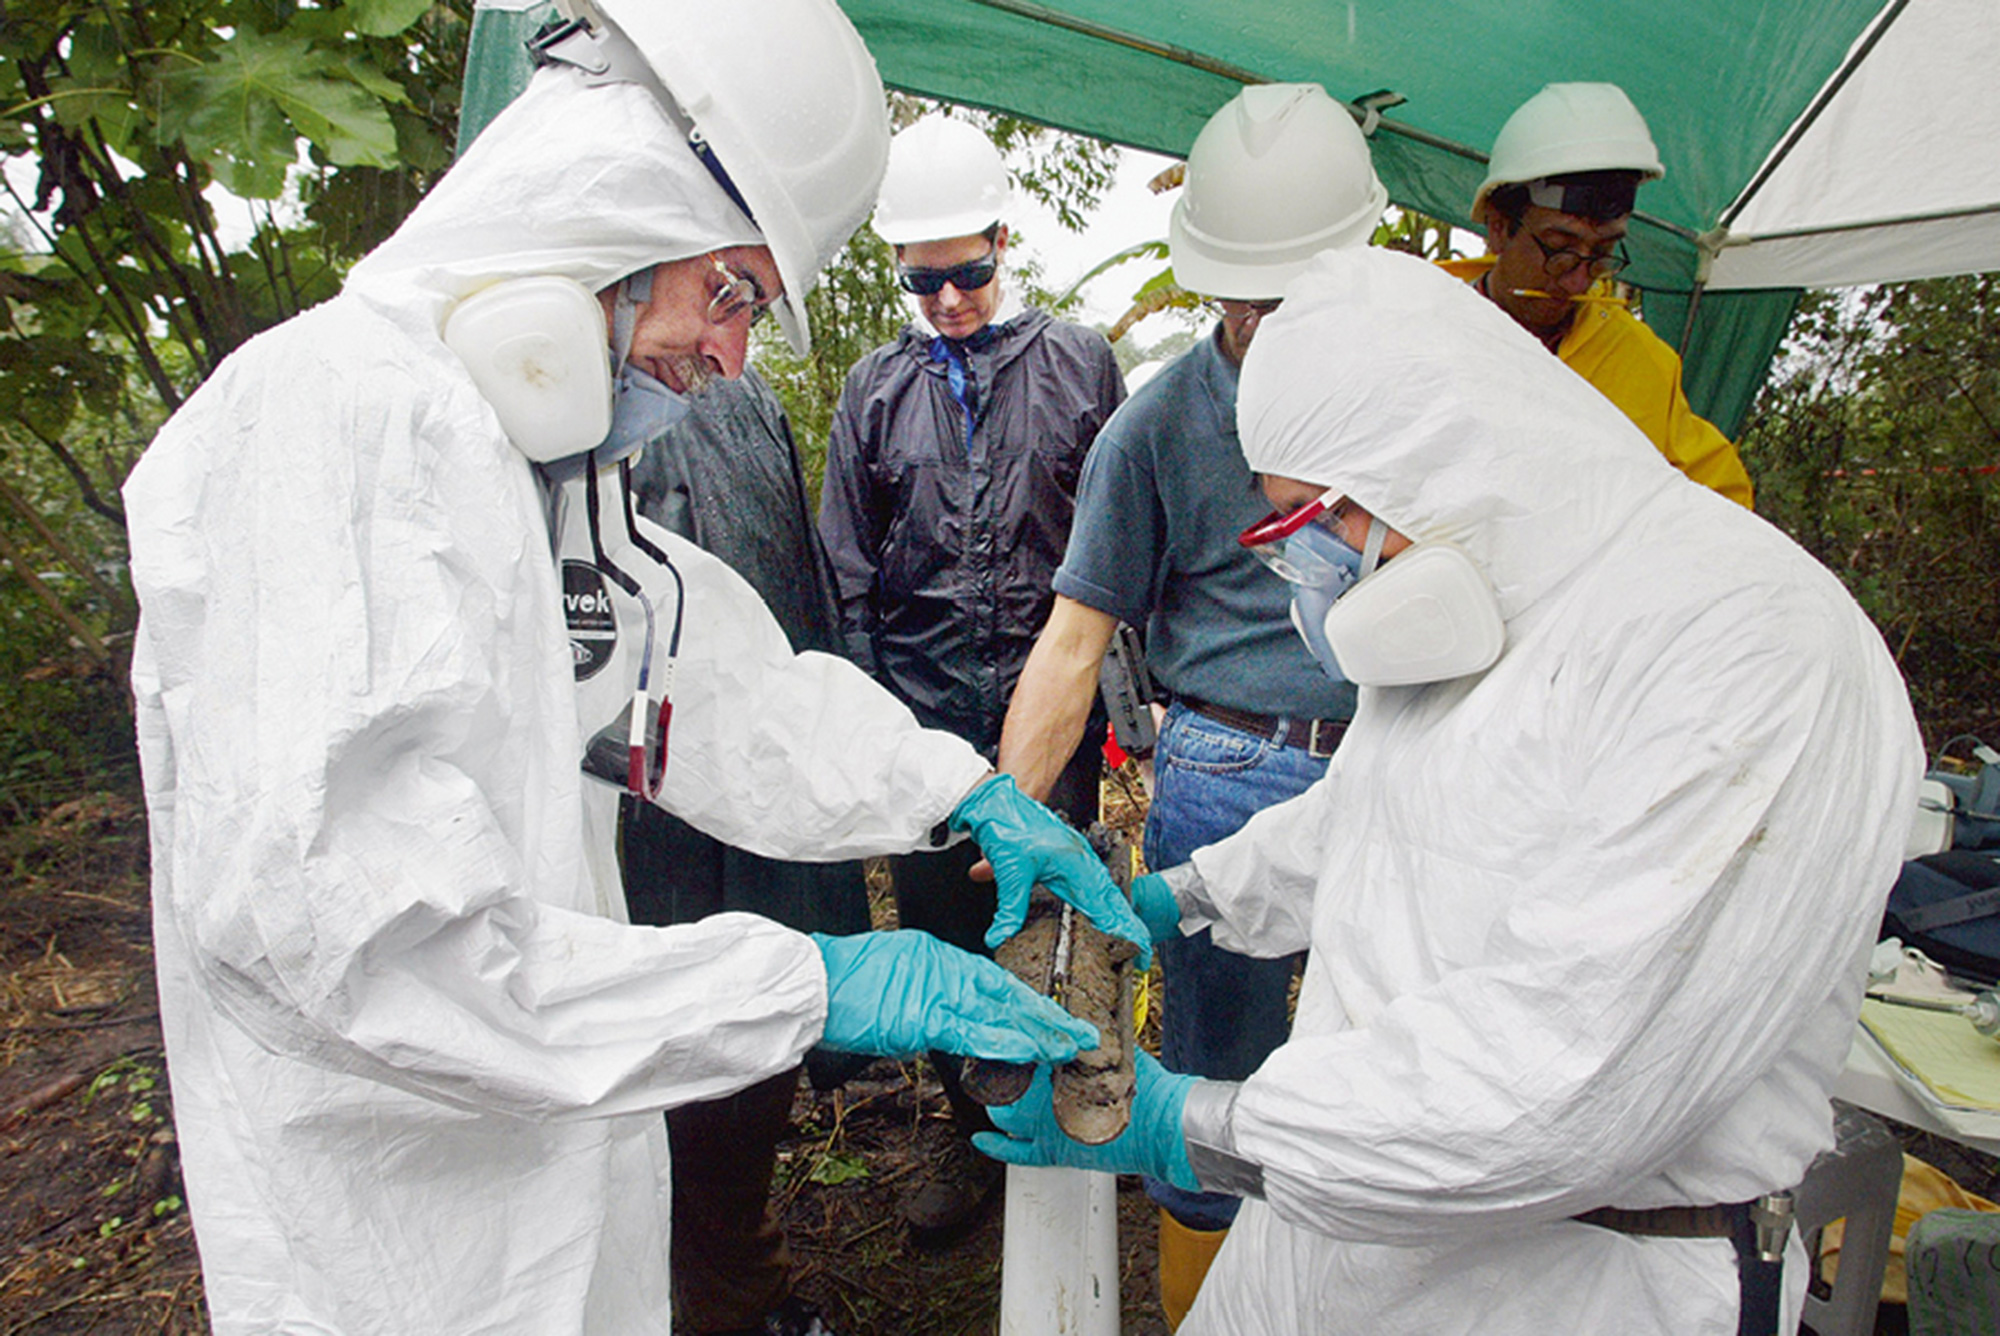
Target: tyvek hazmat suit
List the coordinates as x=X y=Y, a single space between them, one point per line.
x=417 y=1063
x=1587 y=929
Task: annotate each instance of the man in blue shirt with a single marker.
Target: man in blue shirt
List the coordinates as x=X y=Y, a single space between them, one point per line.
x=1277 y=175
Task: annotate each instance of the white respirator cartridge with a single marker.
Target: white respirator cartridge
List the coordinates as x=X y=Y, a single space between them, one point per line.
x=1427 y=616
x=536 y=348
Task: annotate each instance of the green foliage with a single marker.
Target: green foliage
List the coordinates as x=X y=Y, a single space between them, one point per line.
x=121 y=288
x=1417 y=233
x=1065 y=173
x=1877 y=446
x=128 y=1073
x=243 y=111
x=837 y=1167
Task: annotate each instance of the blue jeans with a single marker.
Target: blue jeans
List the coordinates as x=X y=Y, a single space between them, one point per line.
x=1224 y=1013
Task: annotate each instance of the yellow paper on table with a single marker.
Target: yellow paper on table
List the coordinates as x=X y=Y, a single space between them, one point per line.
x=1957 y=1063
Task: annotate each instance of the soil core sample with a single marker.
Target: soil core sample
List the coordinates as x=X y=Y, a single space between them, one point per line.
x=1089 y=974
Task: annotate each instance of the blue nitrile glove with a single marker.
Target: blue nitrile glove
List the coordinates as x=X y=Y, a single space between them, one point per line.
x=1152 y=1143
x=1028 y=844
x=898 y=994
x=1154 y=902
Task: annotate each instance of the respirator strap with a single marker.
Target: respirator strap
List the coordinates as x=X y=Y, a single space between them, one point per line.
x=591 y=509
x=635 y=292
x=642 y=777
x=1371 y=546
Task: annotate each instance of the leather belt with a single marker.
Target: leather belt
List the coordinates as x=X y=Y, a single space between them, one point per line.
x=1315 y=737
x=1670 y=1222
x=1757 y=1229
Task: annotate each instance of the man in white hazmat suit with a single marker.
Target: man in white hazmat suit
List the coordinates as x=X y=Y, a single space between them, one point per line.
x=417 y=1056
x=1589 y=928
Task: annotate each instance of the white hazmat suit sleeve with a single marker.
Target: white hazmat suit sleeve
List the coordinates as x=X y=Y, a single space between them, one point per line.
x=793 y=756
x=1273 y=916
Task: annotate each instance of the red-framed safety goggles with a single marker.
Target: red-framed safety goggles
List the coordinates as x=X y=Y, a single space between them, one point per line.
x=1279 y=525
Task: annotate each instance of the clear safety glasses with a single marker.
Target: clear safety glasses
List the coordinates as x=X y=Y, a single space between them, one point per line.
x=1266 y=539
x=968 y=277
x=739 y=292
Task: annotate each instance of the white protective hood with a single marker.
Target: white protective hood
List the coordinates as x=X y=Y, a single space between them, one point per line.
x=417 y=1059
x=1588 y=929
x=588 y=183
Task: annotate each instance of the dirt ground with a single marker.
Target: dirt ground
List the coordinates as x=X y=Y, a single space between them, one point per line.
x=852 y=1255
x=94 y=1232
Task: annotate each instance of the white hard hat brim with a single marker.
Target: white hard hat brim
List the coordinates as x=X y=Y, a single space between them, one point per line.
x=804 y=142
x=940 y=228
x=1236 y=271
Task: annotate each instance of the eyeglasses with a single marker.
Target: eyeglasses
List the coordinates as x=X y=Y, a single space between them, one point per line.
x=968 y=277
x=739 y=292
x=1266 y=538
x=1559 y=262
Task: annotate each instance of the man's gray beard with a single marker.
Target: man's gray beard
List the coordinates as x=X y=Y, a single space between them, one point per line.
x=693 y=372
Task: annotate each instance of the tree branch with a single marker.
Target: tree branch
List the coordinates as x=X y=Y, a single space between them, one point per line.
x=85 y=636
x=70 y=463
x=210 y=347
x=64 y=552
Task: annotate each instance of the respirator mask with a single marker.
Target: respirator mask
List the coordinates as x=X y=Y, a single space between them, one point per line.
x=535 y=348
x=1428 y=615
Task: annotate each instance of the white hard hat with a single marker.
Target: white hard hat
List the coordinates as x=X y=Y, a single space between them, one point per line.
x=1570 y=127
x=945 y=179
x=1278 y=175
x=786 y=99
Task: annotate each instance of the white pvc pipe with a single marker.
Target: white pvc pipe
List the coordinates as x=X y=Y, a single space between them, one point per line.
x=1059 y=1254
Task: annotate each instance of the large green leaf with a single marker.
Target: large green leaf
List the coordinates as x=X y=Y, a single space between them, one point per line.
x=244 y=110
x=44 y=380
x=385 y=18
x=98 y=87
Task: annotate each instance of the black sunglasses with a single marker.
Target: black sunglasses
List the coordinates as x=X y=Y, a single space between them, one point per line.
x=968 y=277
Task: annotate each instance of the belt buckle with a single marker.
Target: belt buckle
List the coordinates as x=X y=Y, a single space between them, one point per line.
x=1334 y=731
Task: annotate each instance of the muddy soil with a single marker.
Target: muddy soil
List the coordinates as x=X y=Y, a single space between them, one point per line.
x=94 y=1234
x=1093 y=1094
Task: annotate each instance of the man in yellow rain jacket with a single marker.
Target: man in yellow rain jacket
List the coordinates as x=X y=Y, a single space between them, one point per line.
x=1555 y=203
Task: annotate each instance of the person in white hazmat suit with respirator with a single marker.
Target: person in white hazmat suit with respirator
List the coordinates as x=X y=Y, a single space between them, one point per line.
x=417 y=1055
x=1589 y=888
